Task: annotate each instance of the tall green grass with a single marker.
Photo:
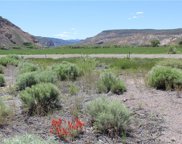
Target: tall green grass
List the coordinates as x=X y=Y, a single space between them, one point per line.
x=93 y=50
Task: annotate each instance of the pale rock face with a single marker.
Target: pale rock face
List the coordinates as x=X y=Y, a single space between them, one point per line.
x=136 y=37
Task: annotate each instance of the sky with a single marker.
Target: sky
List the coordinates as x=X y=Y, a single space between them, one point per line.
x=74 y=19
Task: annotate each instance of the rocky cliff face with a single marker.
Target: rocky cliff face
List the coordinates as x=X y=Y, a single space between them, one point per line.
x=11 y=35
x=136 y=37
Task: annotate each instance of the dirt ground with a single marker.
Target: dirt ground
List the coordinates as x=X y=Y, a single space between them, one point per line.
x=156 y=114
x=57 y=56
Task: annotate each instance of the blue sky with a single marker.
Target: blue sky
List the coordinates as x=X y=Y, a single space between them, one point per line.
x=80 y=19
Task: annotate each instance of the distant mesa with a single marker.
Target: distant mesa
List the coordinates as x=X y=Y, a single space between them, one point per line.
x=135 y=37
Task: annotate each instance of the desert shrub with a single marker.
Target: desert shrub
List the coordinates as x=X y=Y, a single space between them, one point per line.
x=118 y=87
x=66 y=71
x=110 y=117
x=26 y=80
x=2 y=80
x=174 y=63
x=109 y=82
x=27 y=139
x=27 y=67
x=1 y=69
x=9 y=60
x=172 y=50
x=29 y=45
x=40 y=98
x=4 y=113
x=48 y=76
x=165 y=78
x=86 y=65
x=73 y=89
x=32 y=78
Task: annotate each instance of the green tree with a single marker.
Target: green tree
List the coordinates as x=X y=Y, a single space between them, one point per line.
x=155 y=43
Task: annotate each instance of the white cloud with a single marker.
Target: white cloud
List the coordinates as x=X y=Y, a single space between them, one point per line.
x=70 y=34
x=137 y=15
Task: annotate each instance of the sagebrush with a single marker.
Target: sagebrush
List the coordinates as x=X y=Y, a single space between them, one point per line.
x=9 y=60
x=4 y=113
x=28 y=139
x=1 y=69
x=25 y=67
x=109 y=116
x=2 y=80
x=28 y=79
x=109 y=82
x=66 y=71
x=165 y=78
x=40 y=98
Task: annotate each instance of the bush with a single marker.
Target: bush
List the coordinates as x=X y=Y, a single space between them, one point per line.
x=172 y=50
x=46 y=77
x=108 y=116
x=118 y=87
x=155 y=43
x=2 y=80
x=165 y=78
x=109 y=82
x=66 y=71
x=9 y=60
x=32 y=78
x=86 y=65
x=29 y=45
x=40 y=98
x=27 y=139
x=4 y=113
x=27 y=67
x=1 y=69
x=26 y=80
x=173 y=63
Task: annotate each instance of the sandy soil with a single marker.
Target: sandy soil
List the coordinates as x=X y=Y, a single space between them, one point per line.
x=56 y=56
x=163 y=104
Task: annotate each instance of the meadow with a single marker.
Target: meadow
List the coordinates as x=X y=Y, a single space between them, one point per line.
x=92 y=50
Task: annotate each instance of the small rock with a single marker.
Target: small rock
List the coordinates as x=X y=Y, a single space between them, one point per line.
x=173 y=139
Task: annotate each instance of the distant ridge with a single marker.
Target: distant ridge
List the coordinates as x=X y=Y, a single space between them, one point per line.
x=54 y=42
x=136 y=36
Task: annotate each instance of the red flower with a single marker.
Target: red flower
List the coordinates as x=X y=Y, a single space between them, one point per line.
x=64 y=129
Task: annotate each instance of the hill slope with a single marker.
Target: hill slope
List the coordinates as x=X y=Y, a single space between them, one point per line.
x=11 y=35
x=135 y=37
